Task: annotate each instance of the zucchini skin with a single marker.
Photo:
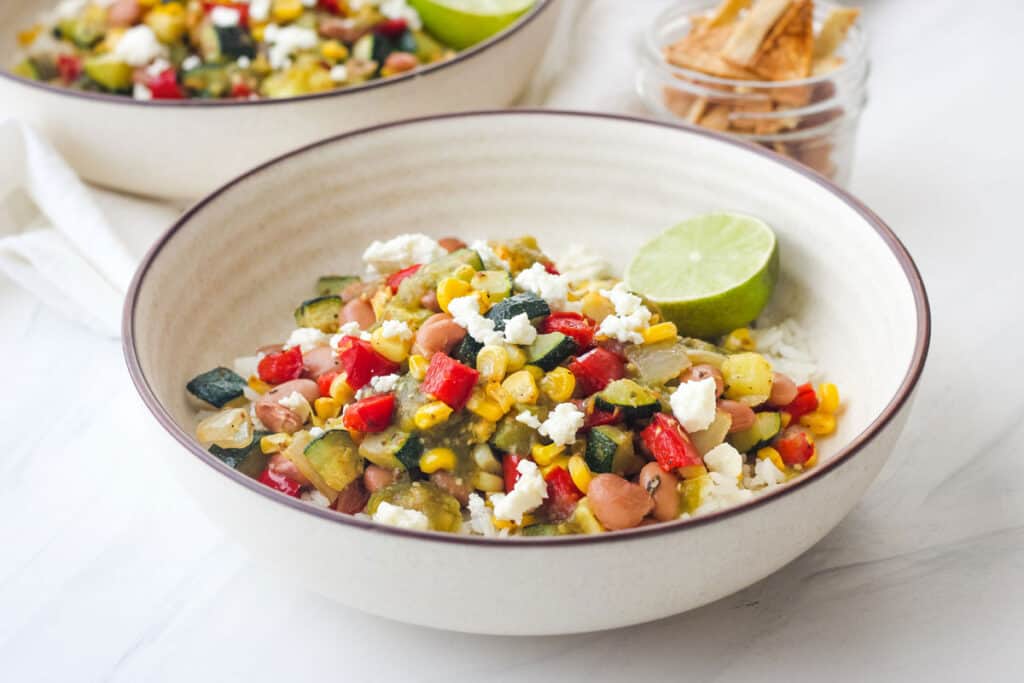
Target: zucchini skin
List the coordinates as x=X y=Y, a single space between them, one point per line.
x=549 y=350
x=600 y=453
x=635 y=401
x=532 y=305
x=249 y=460
x=217 y=387
x=333 y=285
x=321 y=312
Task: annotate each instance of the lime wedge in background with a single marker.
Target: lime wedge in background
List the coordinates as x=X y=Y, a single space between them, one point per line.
x=461 y=23
x=709 y=274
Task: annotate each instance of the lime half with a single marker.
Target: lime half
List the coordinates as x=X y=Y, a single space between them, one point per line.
x=709 y=274
x=461 y=23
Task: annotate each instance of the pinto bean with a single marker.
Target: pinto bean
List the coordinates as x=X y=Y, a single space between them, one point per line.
x=358 y=311
x=278 y=418
x=617 y=503
x=345 y=30
x=429 y=301
x=400 y=62
x=455 y=485
x=662 y=486
x=438 y=333
x=306 y=387
x=268 y=349
x=784 y=390
x=123 y=13
x=279 y=464
x=353 y=290
x=352 y=498
x=696 y=373
x=742 y=415
x=450 y=244
x=318 y=361
x=375 y=478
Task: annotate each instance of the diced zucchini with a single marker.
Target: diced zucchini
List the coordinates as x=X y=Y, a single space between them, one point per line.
x=217 y=387
x=610 y=449
x=208 y=80
x=249 y=460
x=532 y=305
x=426 y=278
x=658 y=363
x=85 y=30
x=635 y=402
x=218 y=43
x=548 y=350
x=377 y=47
x=441 y=508
x=393 y=449
x=512 y=436
x=467 y=350
x=497 y=284
x=335 y=458
x=321 y=313
x=365 y=47
x=109 y=73
x=26 y=68
x=427 y=49
x=714 y=435
x=328 y=285
x=541 y=530
x=766 y=426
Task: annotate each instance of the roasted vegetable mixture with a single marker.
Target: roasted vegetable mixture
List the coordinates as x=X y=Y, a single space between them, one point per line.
x=475 y=389
x=177 y=49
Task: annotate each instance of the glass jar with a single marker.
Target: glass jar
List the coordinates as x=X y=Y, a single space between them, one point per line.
x=813 y=120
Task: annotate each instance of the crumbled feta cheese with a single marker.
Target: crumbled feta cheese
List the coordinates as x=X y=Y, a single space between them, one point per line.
x=581 y=263
x=399 y=9
x=695 y=403
x=284 y=41
x=139 y=46
x=384 y=258
x=246 y=366
x=316 y=432
x=725 y=460
x=384 y=383
x=562 y=424
x=465 y=312
x=724 y=492
x=519 y=330
x=191 y=62
x=314 y=497
x=259 y=10
x=766 y=474
x=480 y=520
x=158 y=66
x=339 y=73
x=630 y=319
x=309 y=3
x=141 y=92
x=307 y=339
x=243 y=62
x=489 y=258
x=224 y=16
x=528 y=419
x=528 y=494
x=298 y=404
x=395 y=329
x=404 y=518
x=625 y=302
x=552 y=288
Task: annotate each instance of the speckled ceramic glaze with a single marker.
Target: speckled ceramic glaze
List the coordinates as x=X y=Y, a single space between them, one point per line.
x=226 y=278
x=183 y=149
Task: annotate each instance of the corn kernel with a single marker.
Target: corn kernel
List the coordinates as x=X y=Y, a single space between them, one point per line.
x=692 y=471
x=418 y=366
x=482 y=430
x=287 y=10
x=451 y=288
x=786 y=419
x=275 y=443
x=488 y=482
x=492 y=363
x=437 y=459
x=516 y=358
x=739 y=339
x=257 y=31
x=580 y=473
x=560 y=462
x=487 y=408
x=828 y=398
x=820 y=424
x=596 y=307
x=484 y=458
x=544 y=455
x=394 y=349
x=326 y=408
x=558 y=385
x=660 y=332
x=341 y=391
x=431 y=414
x=167 y=21
x=26 y=38
x=334 y=51
x=522 y=386
x=465 y=272
x=813 y=460
x=500 y=395
x=504 y=524
x=585 y=519
x=770 y=453
x=535 y=372
x=258 y=385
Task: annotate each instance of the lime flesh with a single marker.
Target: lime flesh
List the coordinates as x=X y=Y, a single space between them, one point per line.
x=709 y=274
x=462 y=23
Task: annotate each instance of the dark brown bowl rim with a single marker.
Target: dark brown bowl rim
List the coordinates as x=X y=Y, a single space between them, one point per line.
x=904 y=392
x=423 y=72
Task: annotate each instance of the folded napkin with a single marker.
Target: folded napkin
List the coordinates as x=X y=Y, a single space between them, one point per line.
x=55 y=241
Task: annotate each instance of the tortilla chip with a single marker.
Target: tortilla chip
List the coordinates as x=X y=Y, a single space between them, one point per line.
x=680 y=102
x=698 y=50
x=741 y=123
x=745 y=42
x=833 y=32
x=786 y=52
x=716 y=118
x=727 y=12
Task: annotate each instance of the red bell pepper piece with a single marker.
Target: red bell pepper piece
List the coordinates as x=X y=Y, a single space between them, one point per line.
x=279 y=482
x=806 y=401
x=449 y=380
x=794 y=447
x=395 y=279
x=240 y=89
x=329 y=6
x=595 y=369
x=596 y=418
x=667 y=441
x=324 y=381
x=69 y=67
x=371 y=414
x=361 y=362
x=508 y=467
x=280 y=367
x=550 y=267
x=164 y=85
x=241 y=7
x=392 y=28
x=575 y=325
x=562 y=494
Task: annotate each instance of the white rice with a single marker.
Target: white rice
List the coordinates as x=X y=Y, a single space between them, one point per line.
x=785 y=347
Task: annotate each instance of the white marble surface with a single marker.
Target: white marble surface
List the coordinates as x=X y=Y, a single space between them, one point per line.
x=108 y=572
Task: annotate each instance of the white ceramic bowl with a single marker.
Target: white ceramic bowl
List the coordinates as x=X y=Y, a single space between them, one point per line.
x=226 y=277
x=183 y=149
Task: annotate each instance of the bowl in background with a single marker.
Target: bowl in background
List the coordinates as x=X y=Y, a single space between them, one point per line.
x=181 y=149
x=236 y=264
